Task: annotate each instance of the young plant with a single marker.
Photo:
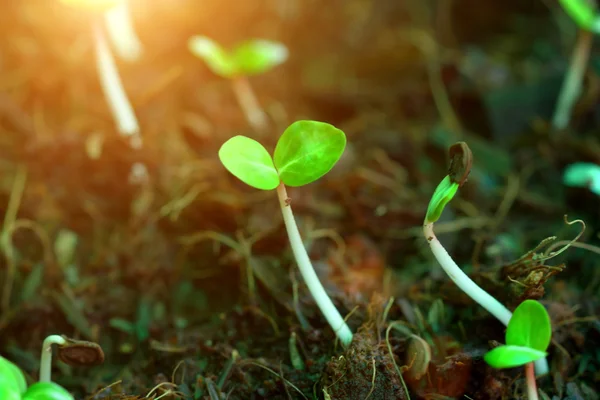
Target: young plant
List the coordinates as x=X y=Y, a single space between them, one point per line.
x=249 y=58
x=114 y=92
x=527 y=338
x=583 y=13
x=305 y=152
x=70 y=351
x=460 y=167
x=14 y=387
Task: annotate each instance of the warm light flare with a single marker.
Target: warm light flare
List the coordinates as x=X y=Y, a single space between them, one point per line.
x=94 y=5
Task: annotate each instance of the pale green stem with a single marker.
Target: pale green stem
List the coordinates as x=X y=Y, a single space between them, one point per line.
x=46 y=358
x=532 y=393
x=121 y=32
x=470 y=288
x=571 y=87
x=333 y=317
x=249 y=103
x=122 y=111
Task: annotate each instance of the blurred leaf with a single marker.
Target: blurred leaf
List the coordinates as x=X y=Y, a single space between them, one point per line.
x=257 y=56
x=32 y=283
x=143 y=319
x=216 y=58
x=74 y=315
x=11 y=377
x=307 y=150
x=64 y=247
x=583 y=13
x=122 y=325
x=47 y=391
x=250 y=162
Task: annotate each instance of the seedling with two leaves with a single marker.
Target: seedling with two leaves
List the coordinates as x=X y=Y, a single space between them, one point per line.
x=527 y=338
x=305 y=152
x=252 y=57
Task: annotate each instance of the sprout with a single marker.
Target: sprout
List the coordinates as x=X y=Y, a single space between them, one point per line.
x=586 y=175
x=305 y=152
x=527 y=339
x=583 y=13
x=249 y=58
x=73 y=352
x=460 y=166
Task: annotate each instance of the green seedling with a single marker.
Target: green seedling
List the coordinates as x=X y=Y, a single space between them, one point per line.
x=460 y=166
x=305 y=152
x=79 y=353
x=14 y=387
x=527 y=339
x=583 y=13
x=248 y=58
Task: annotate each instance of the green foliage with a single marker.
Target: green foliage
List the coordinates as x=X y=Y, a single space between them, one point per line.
x=305 y=152
x=11 y=377
x=582 y=174
x=582 y=12
x=527 y=337
x=14 y=387
x=47 y=391
x=250 y=162
x=251 y=57
x=442 y=195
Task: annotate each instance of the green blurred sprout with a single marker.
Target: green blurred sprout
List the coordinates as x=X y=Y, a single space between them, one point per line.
x=461 y=160
x=305 y=152
x=583 y=13
x=585 y=175
x=527 y=339
x=14 y=387
x=248 y=58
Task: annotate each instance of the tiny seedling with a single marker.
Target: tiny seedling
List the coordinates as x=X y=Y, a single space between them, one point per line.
x=305 y=152
x=73 y=352
x=583 y=13
x=248 y=58
x=460 y=166
x=527 y=339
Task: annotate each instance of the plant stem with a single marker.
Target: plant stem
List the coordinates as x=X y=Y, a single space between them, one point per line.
x=532 y=393
x=121 y=32
x=469 y=287
x=315 y=287
x=249 y=103
x=571 y=87
x=119 y=104
x=46 y=358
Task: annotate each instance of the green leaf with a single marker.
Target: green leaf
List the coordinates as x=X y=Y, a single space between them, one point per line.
x=250 y=162
x=9 y=393
x=257 y=56
x=580 y=11
x=47 y=391
x=307 y=150
x=123 y=325
x=32 y=283
x=216 y=58
x=512 y=356
x=529 y=326
x=442 y=195
x=11 y=377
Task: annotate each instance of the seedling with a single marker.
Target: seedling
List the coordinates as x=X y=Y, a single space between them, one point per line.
x=114 y=92
x=305 y=152
x=527 y=338
x=583 y=13
x=73 y=352
x=249 y=58
x=460 y=167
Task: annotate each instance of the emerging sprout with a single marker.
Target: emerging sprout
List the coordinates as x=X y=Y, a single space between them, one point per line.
x=583 y=13
x=527 y=338
x=460 y=166
x=305 y=152
x=249 y=58
x=73 y=352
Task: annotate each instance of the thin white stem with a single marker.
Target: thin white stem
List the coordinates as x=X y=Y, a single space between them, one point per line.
x=121 y=32
x=532 y=393
x=249 y=103
x=46 y=358
x=571 y=87
x=466 y=284
x=119 y=104
x=333 y=317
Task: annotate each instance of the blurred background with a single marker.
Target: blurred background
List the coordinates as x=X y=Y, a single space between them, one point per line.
x=175 y=272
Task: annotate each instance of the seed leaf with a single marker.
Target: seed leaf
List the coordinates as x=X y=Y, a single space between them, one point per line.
x=47 y=391
x=307 y=150
x=216 y=58
x=257 y=56
x=512 y=356
x=529 y=326
x=442 y=195
x=580 y=11
x=11 y=378
x=250 y=162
